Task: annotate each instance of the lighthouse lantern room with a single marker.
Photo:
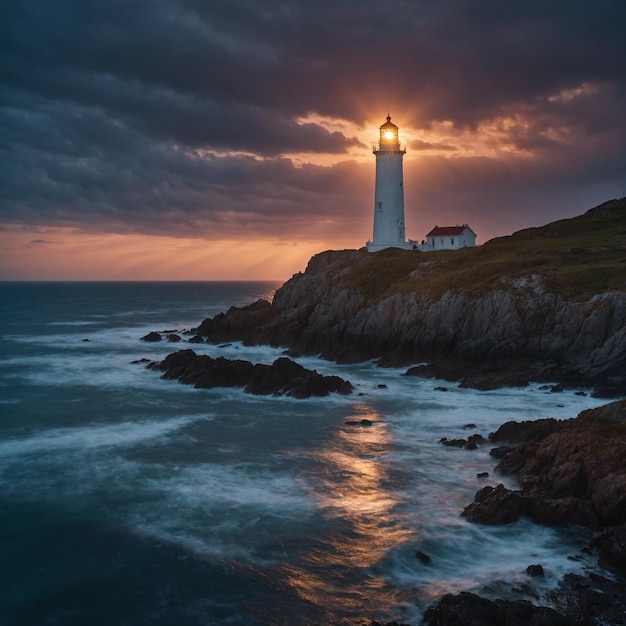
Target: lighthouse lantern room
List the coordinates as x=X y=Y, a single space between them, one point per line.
x=389 y=228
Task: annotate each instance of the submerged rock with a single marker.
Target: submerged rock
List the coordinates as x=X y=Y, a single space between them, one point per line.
x=283 y=377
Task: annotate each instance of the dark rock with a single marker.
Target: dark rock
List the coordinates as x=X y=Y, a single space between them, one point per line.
x=238 y=324
x=140 y=361
x=453 y=443
x=474 y=441
x=375 y=623
x=86 y=340
x=482 y=475
x=173 y=338
x=441 y=389
x=534 y=570
x=363 y=422
x=591 y=601
x=573 y=471
x=153 y=336
x=469 y=444
x=282 y=377
x=423 y=557
x=469 y=426
x=580 y=393
x=381 y=386
x=500 y=452
x=611 y=547
x=521 y=432
x=496 y=505
x=196 y=339
x=468 y=609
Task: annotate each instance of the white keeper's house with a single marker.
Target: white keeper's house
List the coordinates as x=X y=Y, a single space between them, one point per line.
x=449 y=238
x=389 y=229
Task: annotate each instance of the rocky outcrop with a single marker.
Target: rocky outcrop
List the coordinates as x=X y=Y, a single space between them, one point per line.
x=570 y=472
x=283 y=377
x=508 y=333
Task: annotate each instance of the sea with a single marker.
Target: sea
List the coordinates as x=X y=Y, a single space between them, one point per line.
x=128 y=499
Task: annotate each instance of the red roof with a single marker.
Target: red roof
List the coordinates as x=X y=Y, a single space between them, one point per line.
x=448 y=230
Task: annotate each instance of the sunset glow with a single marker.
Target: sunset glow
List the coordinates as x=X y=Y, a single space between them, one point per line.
x=115 y=166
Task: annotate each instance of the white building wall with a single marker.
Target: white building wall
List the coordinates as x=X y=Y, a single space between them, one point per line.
x=466 y=239
x=389 y=227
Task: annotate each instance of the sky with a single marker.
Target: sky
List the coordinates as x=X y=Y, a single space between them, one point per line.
x=232 y=139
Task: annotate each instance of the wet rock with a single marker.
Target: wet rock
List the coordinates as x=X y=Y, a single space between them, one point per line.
x=469 y=444
x=500 y=452
x=469 y=426
x=474 y=441
x=196 y=339
x=534 y=570
x=482 y=475
x=468 y=609
x=441 y=389
x=173 y=338
x=611 y=547
x=453 y=443
x=496 y=506
x=153 y=336
x=282 y=377
x=423 y=557
x=573 y=471
x=238 y=324
x=363 y=422
x=591 y=600
x=381 y=386
x=138 y=361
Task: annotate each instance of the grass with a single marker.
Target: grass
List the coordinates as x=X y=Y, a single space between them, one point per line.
x=578 y=258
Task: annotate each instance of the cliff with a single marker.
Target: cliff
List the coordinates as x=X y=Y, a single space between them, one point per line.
x=544 y=304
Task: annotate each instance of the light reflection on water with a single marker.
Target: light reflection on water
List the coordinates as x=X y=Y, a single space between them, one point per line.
x=353 y=496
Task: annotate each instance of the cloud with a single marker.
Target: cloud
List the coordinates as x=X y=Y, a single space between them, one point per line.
x=239 y=119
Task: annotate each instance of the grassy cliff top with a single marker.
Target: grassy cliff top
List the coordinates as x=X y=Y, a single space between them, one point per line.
x=577 y=258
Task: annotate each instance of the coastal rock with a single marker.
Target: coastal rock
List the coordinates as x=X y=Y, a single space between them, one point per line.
x=535 y=570
x=152 y=336
x=611 y=547
x=283 y=377
x=572 y=471
x=496 y=505
x=469 y=609
x=485 y=330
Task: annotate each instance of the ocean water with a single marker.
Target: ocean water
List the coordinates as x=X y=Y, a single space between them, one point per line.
x=126 y=499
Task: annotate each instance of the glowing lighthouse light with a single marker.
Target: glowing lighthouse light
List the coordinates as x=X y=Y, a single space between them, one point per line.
x=389 y=229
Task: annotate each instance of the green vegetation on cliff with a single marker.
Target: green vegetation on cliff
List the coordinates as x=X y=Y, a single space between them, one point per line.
x=577 y=258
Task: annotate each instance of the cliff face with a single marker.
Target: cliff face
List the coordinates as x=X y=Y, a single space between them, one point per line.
x=480 y=316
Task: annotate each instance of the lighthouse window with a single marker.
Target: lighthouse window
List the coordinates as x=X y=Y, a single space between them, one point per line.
x=452 y=242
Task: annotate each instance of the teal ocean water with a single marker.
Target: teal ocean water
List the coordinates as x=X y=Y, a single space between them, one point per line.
x=126 y=499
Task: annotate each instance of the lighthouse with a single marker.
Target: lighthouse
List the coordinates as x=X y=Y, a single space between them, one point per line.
x=389 y=229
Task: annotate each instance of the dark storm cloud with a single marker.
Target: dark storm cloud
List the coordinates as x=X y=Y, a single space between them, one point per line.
x=161 y=116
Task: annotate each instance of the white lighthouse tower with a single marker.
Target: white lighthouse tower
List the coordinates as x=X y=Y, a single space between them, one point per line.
x=389 y=229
